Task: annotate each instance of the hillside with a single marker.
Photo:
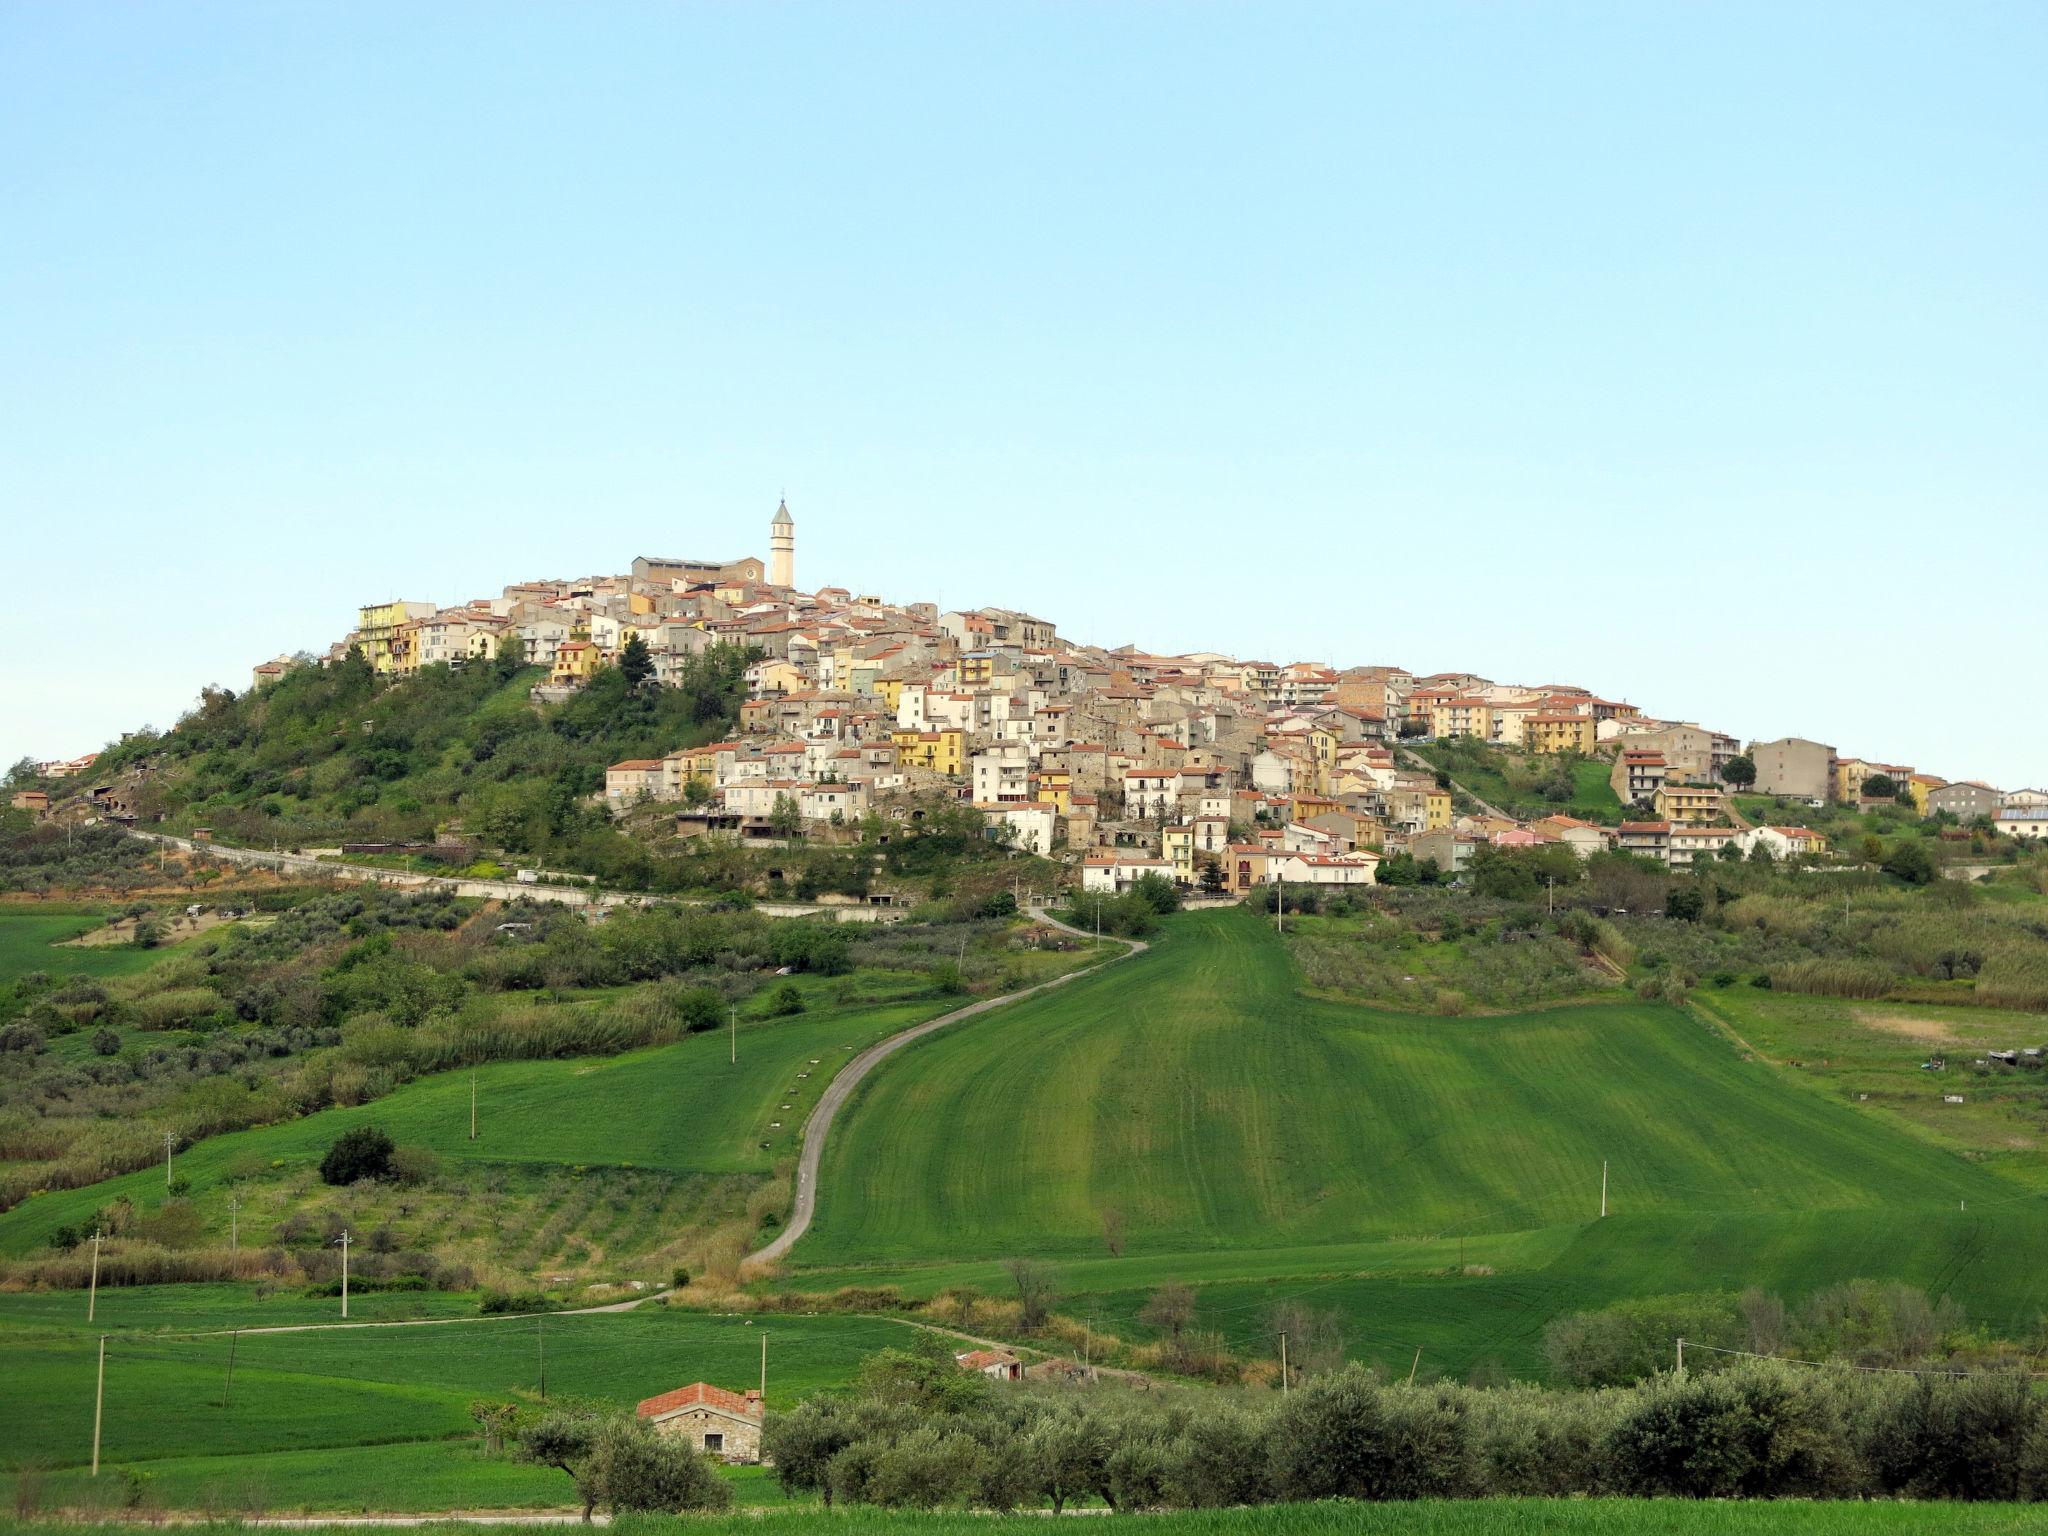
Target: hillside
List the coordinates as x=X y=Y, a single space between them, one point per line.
x=1243 y=1133
x=337 y=754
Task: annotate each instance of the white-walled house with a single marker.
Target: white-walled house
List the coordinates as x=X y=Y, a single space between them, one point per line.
x=1115 y=873
x=1033 y=823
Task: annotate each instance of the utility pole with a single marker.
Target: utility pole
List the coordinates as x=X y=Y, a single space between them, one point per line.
x=1681 y=1357
x=540 y=1344
x=732 y=1019
x=472 y=1103
x=92 y=1297
x=344 y=1270
x=1414 y=1365
x=227 y=1396
x=170 y=1141
x=1283 y=1365
x=99 y=1400
x=764 y=1366
x=1603 y=1187
x=1280 y=906
x=234 y=1224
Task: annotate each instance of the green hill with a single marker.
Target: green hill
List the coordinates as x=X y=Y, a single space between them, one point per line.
x=1245 y=1132
x=335 y=754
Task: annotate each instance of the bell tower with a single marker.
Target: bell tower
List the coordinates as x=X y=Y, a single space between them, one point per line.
x=782 y=548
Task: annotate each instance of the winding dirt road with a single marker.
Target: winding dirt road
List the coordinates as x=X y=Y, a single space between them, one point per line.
x=820 y=1123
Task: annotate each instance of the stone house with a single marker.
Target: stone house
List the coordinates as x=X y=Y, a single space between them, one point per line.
x=710 y=1419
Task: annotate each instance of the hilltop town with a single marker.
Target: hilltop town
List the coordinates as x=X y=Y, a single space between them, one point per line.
x=1218 y=773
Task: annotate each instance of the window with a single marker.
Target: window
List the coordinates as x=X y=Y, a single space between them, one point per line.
x=714 y=1442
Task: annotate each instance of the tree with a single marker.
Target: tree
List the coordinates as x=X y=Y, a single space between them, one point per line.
x=632 y=1469
x=563 y=1440
x=800 y=1445
x=1037 y=1290
x=361 y=1153
x=105 y=1042
x=636 y=664
x=1156 y=892
x=785 y=1000
x=511 y=656
x=1908 y=859
x=1170 y=1309
x=922 y=1375
x=696 y=791
x=1880 y=786
x=1212 y=877
x=1113 y=1231
x=784 y=819
x=1686 y=903
x=23 y=772
x=1739 y=772
x=699 y=1009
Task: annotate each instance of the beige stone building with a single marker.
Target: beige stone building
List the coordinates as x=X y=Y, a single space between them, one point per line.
x=1796 y=768
x=710 y=1419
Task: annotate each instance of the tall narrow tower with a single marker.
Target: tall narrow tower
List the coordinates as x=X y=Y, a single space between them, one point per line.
x=782 y=548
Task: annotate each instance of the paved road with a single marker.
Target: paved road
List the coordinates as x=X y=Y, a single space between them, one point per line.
x=820 y=1123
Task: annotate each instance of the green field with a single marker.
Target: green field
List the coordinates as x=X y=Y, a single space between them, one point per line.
x=34 y=941
x=1251 y=1135
x=395 y=1398
x=1427 y=1517
x=679 y=1109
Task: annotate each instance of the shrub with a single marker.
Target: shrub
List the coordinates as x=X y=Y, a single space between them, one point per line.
x=1756 y=1430
x=785 y=1000
x=362 y=1153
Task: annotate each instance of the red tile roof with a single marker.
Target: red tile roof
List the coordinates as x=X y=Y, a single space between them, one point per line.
x=746 y=1405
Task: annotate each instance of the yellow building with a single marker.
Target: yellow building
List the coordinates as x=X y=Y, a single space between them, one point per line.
x=576 y=663
x=1462 y=717
x=939 y=751
x=1177 y=845
x=1056 y=787
x=1558 y=733
x=377 y=627
x=889 y=690
x=1698 y=804
x=977 y=669
x=1437 y=815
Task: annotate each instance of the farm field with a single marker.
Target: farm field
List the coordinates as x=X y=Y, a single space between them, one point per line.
x=1249 y=1134
x=1848 y=1048
x=395 y=1398
x=1427 y=1517
x=675 y=1109
x=34 y=941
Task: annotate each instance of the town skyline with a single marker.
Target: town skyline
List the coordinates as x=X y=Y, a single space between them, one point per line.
x=27 y=738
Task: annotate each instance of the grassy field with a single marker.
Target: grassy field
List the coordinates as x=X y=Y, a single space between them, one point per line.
x=1476 y=1517
x=1479 y=773
x=1195 y=1091
x=34 y=941
x=1259 y=1143
x=1872 y=1054
x=677 y=1109
x=395 y=1398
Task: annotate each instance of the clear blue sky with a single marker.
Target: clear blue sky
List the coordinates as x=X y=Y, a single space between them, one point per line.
x=1693 y=353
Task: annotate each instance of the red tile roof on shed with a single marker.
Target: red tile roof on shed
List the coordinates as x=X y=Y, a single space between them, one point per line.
x=746 y=1405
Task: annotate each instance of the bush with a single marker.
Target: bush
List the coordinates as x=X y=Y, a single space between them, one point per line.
x=362 y=1153
x=630 y=1469
x=785 y=1000
x=1756 y=1430
x=699 y=1009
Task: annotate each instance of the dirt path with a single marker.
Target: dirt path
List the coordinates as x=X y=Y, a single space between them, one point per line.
x=820 y=1123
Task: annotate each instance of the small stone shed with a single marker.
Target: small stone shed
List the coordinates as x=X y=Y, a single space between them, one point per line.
x=710 y=1419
